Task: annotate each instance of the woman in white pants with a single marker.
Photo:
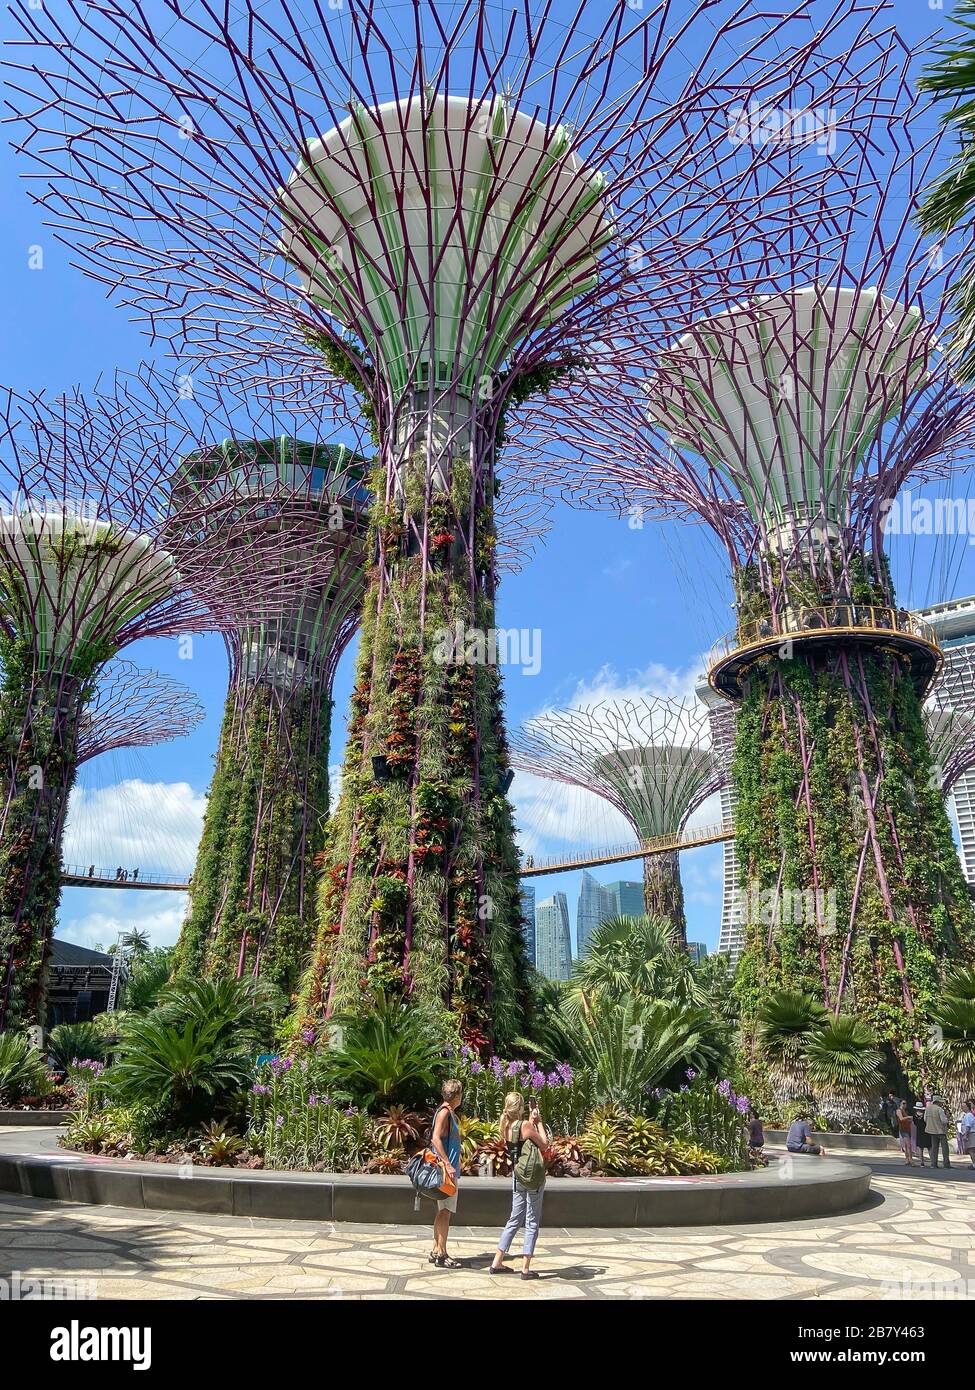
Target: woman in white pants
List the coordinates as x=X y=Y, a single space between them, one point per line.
x=526 y=1205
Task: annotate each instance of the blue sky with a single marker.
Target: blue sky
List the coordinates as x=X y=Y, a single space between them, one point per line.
x=617 y=608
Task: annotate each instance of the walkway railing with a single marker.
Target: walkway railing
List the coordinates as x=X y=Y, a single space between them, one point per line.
x=617 y=854
x=835 y=617
x=90 y=876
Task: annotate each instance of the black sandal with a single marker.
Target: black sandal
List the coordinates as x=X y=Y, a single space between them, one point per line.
x=445 y=1262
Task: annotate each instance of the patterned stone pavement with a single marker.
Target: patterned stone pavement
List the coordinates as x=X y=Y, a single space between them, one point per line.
x=921 y=1228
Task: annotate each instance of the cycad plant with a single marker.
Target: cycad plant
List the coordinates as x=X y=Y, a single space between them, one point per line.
x=844 y=1066
x=68 y=1041
x=22 y=1070
x=786 y=1023
x=391 y=1054
x=951 y=197
x=189 y=1070
x=630 y=1045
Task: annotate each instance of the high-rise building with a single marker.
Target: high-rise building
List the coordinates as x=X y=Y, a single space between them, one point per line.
x=731 y=939
x=528 y=919
x=626 y=898
x=553 y=943
x=697 y=951
x=954 y=624
x=596 y=903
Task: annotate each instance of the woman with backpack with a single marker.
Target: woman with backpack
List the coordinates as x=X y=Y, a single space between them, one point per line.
x=526 y=1140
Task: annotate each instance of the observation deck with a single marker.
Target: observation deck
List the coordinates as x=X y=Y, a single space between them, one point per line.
x=892 y=630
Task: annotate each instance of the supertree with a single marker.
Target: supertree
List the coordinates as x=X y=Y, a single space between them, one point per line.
x=650 y=758
x=252 y=897
x=789 y=424
x=132 y=707
x=951 y=735
x=101 y=543
x=470 y=203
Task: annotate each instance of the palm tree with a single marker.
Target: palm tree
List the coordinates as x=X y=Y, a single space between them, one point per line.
x=953 y=1053
x=135 y=943
x=633 y=955
x=844 y=1065
x=786 y=1022
x=951 y=198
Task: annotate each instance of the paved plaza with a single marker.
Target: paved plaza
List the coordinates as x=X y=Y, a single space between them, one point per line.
x=920 y=1228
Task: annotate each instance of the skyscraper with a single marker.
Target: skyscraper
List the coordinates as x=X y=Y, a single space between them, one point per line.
x=731 y=940
x=697 y=951
x=553 y=944
x=626 y=899
x=528 y=919
x=954 y=623
x=596 y=903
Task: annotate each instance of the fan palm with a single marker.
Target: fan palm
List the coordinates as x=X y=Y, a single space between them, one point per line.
x=961 y=984
x=954 y=1052
x=786 y=1022
x=951 y=198
x=633 y=955
x=844 y=1066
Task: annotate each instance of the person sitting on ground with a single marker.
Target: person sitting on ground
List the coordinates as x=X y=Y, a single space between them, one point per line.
x=799 y=1140
x=756 y=1133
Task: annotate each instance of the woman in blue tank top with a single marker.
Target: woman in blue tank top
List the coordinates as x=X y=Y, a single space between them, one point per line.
x=445 y=1139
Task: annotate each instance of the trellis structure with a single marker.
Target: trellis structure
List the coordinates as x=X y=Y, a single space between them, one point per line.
x=132 y=707
x=789 y=424
x=650 y=758
x=100 y=545
x=444 y=214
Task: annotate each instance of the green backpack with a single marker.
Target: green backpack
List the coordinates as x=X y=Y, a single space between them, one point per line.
x=529 y=1165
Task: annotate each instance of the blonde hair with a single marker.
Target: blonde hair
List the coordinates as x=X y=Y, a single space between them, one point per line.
x=513 y=1113
x=451 y=1089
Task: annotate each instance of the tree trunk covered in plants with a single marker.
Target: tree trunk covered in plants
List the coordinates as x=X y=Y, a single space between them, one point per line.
x=39 y=717
x=854 y=890
x=664 y=893
x=421 y=891
x=253 y=901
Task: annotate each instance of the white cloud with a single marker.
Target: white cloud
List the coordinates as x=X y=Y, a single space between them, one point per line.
x=154 y=826
x=94 y=917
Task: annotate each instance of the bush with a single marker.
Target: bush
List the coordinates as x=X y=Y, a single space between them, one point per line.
x=564 y=1095
x=709 y=1116
x=390 y=1055
x=22 y=1070
x=188 y=1071
x=69 y=1041
x=294 y=1123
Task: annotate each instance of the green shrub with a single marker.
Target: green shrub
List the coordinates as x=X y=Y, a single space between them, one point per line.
x=69 y=1041
x=22 y=1069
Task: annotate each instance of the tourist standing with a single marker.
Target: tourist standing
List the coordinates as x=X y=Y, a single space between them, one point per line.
x=888 y=1109
x=905 y=1137
x=526 y=1202
x=968 y=1130
x=922 y=1141
x=445 y=1139
x=936 y=1124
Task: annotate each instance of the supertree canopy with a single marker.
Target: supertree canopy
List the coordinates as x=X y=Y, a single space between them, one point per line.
x=789 y=424
x=101 y=544
x=252 y=898
x=650 y=758
x=442 y=214
x=951 y=735
x=135 y=708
